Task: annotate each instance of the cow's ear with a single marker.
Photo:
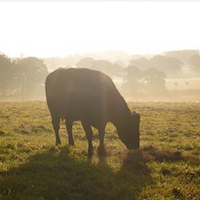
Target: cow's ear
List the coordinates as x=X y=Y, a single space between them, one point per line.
x=136 y=116
x=134 y=113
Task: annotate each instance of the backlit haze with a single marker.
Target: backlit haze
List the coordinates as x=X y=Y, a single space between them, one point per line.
x=49 y=29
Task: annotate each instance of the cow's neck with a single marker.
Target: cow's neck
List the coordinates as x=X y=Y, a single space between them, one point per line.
x=120 y=117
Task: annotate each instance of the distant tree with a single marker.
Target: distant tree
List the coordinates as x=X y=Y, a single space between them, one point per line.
x=182 y=55
x=85 y=62
x=143 y=83
x=6 y=70
x=154 y=81
x=111 y=69
x=31 y=76
x=23 y=77
x=194 y=63
x=170 y=66
x=120 y=63
x=142 y=63
x=132 y=81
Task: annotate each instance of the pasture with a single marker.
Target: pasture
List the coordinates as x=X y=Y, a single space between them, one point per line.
x=167 y=165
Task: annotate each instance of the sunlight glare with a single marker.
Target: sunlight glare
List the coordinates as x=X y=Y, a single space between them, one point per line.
x=63 y=28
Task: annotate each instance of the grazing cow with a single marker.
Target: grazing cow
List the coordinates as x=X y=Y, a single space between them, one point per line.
x=91 y=97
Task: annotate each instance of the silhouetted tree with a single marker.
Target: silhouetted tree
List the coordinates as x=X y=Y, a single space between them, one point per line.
x=85 y=62
x=111 y=69
x=194 y=63
x=31 y=76
x=182 y=55
x=107 y=67
x=170 y=66
x=154 y=81
x=120 y=63
x=142 y=63
x=143 y=83
x=6 y=71
x=132 y=81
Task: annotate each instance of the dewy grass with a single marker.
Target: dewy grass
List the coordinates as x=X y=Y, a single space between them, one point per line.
x=167 y=165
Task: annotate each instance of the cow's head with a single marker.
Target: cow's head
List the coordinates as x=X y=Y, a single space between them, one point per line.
x=130 y=134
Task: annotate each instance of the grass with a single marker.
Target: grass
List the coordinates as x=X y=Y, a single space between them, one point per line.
x=167 y=166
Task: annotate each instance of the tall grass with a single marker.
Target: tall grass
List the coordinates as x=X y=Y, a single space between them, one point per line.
x=167 y=166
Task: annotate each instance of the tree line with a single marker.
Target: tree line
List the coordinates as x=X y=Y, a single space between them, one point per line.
x=144 y=77
x=22 y=78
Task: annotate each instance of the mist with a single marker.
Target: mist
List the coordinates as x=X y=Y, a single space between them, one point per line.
x=168 y=76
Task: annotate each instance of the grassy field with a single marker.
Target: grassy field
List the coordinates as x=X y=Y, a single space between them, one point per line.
x=167 y=166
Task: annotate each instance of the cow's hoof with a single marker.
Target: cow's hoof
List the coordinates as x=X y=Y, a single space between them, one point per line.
x=90 y=153
x=101 y=150
x=58 y=143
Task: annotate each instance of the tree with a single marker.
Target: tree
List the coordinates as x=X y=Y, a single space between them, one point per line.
x=5 y=74
x=171 y=66
x=182 y=55
x=154 y=81
x=107 y=67
x=142 y=63
x=111 y=69
x=31 y=74
x=132 y=81
x=85 y=62
x=194 y=63
x=22 y=78
x=143 y=83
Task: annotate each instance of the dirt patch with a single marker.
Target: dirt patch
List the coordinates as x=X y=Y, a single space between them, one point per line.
x=150 y=152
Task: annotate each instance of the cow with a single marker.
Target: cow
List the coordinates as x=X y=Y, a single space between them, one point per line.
x=89 y=96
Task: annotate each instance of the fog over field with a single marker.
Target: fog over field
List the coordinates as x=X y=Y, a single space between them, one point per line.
x=156 y=77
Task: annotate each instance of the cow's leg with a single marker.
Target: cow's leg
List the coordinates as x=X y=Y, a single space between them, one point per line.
x=101 y=149
x=56 y=126
x=101 y=136
x=69 y=131
x=89 y=134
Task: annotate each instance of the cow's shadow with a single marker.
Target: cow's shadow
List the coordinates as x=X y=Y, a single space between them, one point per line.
x=59 y=173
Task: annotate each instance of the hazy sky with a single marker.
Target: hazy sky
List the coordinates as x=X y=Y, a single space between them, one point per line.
x=62 y=28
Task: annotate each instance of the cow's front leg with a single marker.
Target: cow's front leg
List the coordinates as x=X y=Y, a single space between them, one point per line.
x=56 y=127
x=69 y=131
x=89 y=134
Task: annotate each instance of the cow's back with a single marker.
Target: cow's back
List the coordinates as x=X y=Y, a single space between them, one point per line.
x=79 y=93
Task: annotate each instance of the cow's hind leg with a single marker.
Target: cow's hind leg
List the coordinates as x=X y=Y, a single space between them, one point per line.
x=101 y=148
x=101 y=136
x=56 y=126
x=69 y=131
x=89 y=134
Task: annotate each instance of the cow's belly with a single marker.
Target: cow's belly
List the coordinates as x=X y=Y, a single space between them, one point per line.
x=92 y=109
x=95 y=119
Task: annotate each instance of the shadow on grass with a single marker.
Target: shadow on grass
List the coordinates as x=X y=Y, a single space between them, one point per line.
x=153 y=153
x=61 y=174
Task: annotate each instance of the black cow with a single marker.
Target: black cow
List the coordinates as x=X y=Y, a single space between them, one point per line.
x=91 y=97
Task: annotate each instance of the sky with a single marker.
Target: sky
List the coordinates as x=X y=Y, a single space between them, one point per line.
x=49 y=28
